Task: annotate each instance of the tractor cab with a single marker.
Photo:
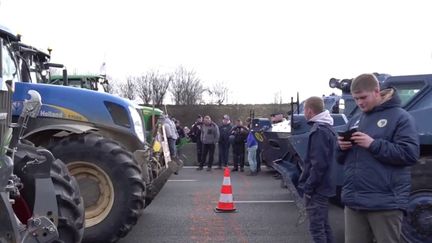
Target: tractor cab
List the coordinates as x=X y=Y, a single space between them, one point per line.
x=36 y=67
x=92 y=82
x=34 y=64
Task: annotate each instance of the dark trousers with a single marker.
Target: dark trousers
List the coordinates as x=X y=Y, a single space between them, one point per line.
x=258 y=158
x=199 y=148
x=239 y=155
x=223 y=153
x=319 y=226
x=208 y=149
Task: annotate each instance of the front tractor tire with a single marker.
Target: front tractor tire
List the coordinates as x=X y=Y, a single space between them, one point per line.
x=69 y=202
x=417 y=223
x=110 y=184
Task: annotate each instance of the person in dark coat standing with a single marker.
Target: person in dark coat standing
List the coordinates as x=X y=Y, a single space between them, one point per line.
x=195 y=135
x=377 y=160
x=238 y=136
x=316 y=182
x=224 y=143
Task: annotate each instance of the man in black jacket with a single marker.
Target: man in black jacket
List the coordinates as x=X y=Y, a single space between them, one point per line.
x=224 y=143
x=239 y=134
x=377 y=160
x=195 y=135
x=315 y=181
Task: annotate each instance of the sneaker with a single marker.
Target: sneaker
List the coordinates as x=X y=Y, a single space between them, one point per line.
x=200 y=168
x=208 y=169
x=252 y=174
x=234 y=169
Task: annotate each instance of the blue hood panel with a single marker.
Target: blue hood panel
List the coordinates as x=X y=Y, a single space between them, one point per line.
x=69 y=102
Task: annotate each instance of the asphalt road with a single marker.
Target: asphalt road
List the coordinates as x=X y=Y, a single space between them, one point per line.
x=183 y=211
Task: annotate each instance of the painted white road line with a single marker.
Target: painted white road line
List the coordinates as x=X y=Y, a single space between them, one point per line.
x=266 y=201
x=190 y=167
x=182 y=180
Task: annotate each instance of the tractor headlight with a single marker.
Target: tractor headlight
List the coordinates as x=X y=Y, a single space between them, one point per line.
x=137 y=123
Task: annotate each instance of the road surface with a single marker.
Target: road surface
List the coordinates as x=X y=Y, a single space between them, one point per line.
x=184 y=211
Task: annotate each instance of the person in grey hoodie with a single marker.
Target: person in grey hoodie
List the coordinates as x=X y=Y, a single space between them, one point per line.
x=209 y=139
x=172 y=135
x=316 y=182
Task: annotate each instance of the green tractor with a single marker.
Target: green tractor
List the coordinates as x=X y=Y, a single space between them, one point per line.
x=92 y=82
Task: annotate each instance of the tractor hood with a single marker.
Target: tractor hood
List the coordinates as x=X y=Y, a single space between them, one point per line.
x=81 y=105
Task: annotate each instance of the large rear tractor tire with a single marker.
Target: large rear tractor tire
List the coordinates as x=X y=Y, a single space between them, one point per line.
x=417 y=224
x=110 y=183
x=69 y=202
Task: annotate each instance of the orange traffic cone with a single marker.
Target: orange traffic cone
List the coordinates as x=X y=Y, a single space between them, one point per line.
x=226 y=203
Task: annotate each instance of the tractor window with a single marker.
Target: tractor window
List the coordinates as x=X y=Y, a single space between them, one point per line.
x=408 y=90
x=9 y=71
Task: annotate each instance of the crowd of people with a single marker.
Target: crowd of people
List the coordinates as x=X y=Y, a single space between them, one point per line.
x=376 y=159
x=236 y=137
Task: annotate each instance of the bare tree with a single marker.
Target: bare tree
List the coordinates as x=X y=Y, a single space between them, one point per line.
x=220 y=92
x=128 y=89
x=144 y=88
x=186 y=88
x=160 y=84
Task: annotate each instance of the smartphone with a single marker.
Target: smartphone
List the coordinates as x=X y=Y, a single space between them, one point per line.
x=347 y=134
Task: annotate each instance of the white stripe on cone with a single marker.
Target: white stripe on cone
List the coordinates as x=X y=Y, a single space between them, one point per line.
x=226 y=181
x=226 y=198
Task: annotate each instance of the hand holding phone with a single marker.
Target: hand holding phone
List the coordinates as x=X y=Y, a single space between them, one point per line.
x=347 y=134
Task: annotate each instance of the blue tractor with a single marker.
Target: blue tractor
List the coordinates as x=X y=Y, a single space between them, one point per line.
x=287 y=150
x=39 y=199
x=101 y=138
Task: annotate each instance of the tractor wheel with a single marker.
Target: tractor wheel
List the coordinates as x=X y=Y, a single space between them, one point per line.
x=110 y=183
x=417 y=223
x=421 y=174
x=69 y=202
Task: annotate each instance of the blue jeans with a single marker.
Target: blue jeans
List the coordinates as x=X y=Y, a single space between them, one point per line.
x=317 y=211
x=252 y=158
x=172 y=148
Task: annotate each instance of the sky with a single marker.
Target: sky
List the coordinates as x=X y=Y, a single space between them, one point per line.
x=257 y=49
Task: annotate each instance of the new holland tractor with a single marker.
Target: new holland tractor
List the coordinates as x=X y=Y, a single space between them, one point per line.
x=39 y=200
x=101 y=139
x=288 y=149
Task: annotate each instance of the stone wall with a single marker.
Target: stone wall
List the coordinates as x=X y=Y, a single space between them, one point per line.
x=187 y=114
